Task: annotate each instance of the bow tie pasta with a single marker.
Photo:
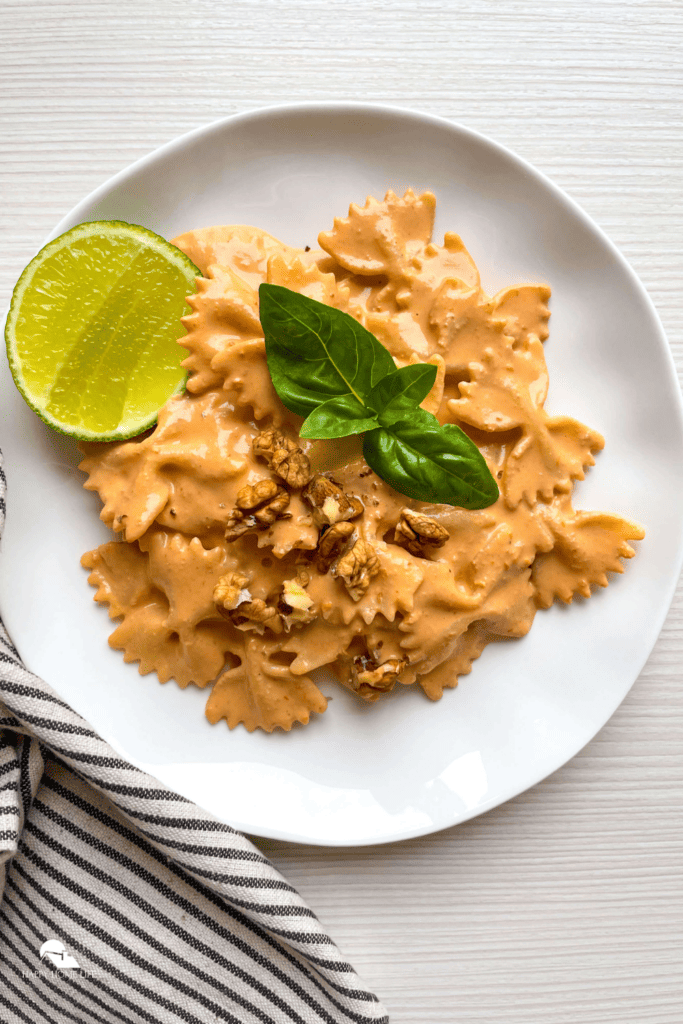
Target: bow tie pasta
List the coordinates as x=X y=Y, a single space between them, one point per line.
x=250 y=558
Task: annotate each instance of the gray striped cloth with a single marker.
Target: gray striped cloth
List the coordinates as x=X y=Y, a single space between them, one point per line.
x=121 y=901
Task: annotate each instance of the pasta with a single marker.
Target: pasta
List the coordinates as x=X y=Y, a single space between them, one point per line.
x=251 y=558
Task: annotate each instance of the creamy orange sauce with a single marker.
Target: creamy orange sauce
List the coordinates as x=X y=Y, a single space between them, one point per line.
x=169 y=495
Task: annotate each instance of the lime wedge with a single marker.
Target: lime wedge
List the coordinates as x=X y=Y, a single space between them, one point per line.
x=93 y=328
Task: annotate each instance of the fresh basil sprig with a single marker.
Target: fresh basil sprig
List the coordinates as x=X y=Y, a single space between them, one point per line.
x=316 y=352
x=327 y=367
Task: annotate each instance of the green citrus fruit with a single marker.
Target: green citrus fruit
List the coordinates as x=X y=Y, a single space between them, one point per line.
x=93 y=328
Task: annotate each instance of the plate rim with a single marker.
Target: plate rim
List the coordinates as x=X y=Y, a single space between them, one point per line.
x=264 y=113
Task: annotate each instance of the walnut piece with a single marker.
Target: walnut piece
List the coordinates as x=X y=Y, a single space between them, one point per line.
x=230 y=591
x=295 y=596
x=329 y=502
x=357 y=567
x=331 y=544
x=284 y=457
x=371 y=680
x=266 y=499
x=256 y=615
x=295 y=604
x=418 y=533
x=270 y=440
x=237 y=525
x=258 y=506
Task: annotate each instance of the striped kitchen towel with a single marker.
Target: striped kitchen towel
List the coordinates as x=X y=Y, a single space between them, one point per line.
x=121 y=901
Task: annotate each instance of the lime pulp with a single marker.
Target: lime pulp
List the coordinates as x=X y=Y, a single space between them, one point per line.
x=93 y=328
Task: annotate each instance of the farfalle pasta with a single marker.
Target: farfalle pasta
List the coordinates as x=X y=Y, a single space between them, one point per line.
x=248 y=558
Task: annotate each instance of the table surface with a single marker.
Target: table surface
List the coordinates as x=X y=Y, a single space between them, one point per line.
x=564 y=905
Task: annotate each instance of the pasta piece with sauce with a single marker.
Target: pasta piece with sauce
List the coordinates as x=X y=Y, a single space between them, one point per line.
x=250 y=558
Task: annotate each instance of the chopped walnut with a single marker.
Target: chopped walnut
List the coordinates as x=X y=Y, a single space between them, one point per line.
x=268 y=441
x=331 y=544
x=295 y=596
x=370 y=680
x=295 y=604
x=264 y=496
x=293 y=467
x=284 y=457
x=357 y=567
x=237 y=525
x=419 y=533
x=258 y=506
x=230 y=591
x=256 y=615
x=329 y=502
x=293 y=607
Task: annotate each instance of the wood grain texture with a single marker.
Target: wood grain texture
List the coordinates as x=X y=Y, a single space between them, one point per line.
x=566 y=904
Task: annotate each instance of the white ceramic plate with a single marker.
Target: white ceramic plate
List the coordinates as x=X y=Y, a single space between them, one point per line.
x=405 y=766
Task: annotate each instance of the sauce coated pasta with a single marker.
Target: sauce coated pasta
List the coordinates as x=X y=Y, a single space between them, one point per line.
x=250 y=557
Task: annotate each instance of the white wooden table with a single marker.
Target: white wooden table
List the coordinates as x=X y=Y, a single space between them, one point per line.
x=564 y=905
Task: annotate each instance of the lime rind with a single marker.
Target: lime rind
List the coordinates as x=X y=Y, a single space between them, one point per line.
x=171 y=255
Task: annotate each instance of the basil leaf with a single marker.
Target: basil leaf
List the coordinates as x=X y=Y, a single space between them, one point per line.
x=402 y=390
x=339 y=417
x=327 y=368
x=430 y=462
x=316 y=352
